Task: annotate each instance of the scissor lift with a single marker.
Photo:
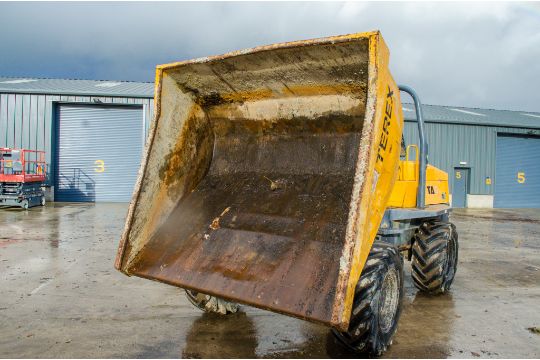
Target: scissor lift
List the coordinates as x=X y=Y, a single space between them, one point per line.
x=22 y=173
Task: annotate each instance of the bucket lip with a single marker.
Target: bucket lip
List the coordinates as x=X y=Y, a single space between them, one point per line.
x=283 y=45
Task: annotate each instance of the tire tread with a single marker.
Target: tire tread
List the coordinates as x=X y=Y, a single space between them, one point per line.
x=361 y=336
x=432 y=269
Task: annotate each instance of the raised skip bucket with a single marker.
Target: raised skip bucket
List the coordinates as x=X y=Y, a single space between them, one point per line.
x=266 y=175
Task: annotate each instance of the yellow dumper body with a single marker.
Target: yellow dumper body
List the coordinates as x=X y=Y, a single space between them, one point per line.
x=406 y=186
x=267 y=172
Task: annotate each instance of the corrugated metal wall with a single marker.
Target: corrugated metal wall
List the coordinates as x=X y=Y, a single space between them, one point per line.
x=450 y=144
x=99 y=152
x=27 y=120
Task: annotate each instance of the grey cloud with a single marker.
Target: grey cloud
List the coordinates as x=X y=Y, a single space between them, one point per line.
x=470 y=54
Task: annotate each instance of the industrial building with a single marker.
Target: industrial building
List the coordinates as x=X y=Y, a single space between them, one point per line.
x=93 y=133
x=492 y=156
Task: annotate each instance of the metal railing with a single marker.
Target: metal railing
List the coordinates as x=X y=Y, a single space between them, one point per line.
x=421 y=194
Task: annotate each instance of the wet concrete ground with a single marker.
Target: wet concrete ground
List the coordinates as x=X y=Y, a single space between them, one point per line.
x=61 y=297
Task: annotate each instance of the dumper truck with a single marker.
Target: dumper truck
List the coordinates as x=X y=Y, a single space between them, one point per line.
x=277 y=177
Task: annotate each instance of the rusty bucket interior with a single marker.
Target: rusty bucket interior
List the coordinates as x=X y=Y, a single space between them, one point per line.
x=247 y=184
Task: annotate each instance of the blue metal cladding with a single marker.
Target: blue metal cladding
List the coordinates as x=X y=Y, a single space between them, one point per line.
x=462 y=145
x=27 y=120
x=99 y=152
x=517 y=184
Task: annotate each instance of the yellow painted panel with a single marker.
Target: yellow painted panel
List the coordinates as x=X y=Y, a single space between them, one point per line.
x=404 y=191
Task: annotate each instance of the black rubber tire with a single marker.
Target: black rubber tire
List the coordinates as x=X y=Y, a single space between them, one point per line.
x=211 y=304
x=377 y=303
x=435 y=257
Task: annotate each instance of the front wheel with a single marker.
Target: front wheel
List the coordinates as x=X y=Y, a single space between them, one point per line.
x=210 y=303
x=377 y=302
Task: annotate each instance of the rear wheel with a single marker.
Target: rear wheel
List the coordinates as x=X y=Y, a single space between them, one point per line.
x=435 y=257
x=211 y=303
x=377 y=302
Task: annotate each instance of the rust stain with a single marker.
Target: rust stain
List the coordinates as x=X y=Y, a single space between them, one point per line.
x=263 y=244
x=190 y=156
x=356 y=88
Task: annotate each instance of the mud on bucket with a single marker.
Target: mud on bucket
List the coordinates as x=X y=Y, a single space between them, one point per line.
x=252 y=182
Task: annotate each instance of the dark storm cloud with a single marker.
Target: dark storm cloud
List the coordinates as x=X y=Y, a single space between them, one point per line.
x=484 y=55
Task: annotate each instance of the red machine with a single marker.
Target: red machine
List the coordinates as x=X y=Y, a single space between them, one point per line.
x=22 y=173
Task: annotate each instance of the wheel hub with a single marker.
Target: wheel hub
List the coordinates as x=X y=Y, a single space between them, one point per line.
x=389 y=300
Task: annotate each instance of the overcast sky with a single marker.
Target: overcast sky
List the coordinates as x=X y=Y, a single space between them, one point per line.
x=477 y=55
